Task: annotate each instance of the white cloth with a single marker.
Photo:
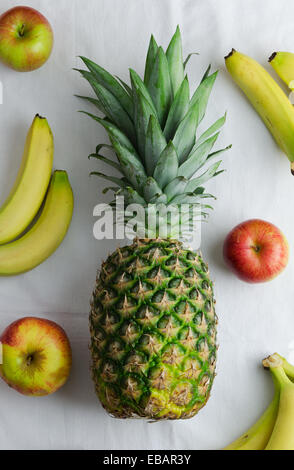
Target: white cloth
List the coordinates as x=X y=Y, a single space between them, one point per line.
x=255 y=320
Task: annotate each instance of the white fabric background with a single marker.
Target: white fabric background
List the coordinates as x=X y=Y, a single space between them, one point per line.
x=254 y=320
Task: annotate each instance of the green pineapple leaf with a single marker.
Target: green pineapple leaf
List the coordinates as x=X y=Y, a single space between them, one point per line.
x=142 y=113
x=125 y=85
x=186 y=198
x=174 y=55
x=131 y=166
x=88 y=76
x=197 y=158
x=131 y=196
x=154 y=145
x=115 y=112
x=206 y=73
x=151 y=189
x=208 y=174
x=85 y=74
x=211 y=130
x=113 y=131
x=217 y=152
x=152 y=52
x=199 y=190
x=106 y=160
x=110 y=188
x=190 y=199
x=101 y=146
x=189 y=57
x=93 y=101
x=175 y=187
x=202 y=94
x=159 y=86
x=105 y=79
x=185 y=135
x=207 y=195
x=167 y=166
x=119 y=181
x=138 y=84
x=158 y=199
x=177 y=110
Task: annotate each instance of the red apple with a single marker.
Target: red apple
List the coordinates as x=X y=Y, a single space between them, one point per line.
x=36 y=356
x=256 y=251
x=26 y=38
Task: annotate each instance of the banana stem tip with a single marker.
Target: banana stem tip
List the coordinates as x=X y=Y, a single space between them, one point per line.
x=272 y=361
x=272 y=56
x=230 y=53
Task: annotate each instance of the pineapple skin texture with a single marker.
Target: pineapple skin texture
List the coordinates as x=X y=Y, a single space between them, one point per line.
x=153 y=331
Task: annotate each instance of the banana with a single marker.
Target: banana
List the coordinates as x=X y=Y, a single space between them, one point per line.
x=282 y=437
x=283 y=64
x=288 y=368
x=46 y=235
x=267 y=98
x=257 y=437
x=31 y=183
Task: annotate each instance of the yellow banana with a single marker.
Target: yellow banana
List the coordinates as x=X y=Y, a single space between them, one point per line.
x=31 y=183
x=267 y=98
x=257 y=437
x=46 y=235
x=283 y=64
x=282 y=437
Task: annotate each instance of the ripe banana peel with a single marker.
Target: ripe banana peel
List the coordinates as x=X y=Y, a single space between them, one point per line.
x=282 y=437
x=46 y=235
x=283 y=64
x=267 y=97
x=275 y=428
x=31 y=184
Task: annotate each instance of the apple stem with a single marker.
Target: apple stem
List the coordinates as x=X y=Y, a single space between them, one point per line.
x=21 y=31
x=29 y=360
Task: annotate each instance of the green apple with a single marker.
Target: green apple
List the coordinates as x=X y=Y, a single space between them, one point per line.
x=26 y=39
x=36 y=356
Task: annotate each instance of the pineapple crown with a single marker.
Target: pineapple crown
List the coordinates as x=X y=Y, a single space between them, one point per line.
x=152 y=128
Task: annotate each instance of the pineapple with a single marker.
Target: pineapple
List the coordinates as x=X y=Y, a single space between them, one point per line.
x=152 y=320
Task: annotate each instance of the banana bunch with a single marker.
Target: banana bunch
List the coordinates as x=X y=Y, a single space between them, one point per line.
x=268 y=99
x=275 y=428
x=18 y=252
